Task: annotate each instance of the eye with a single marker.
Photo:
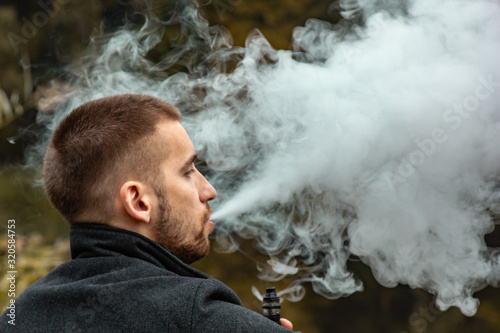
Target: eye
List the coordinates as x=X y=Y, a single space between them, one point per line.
x=189 y=172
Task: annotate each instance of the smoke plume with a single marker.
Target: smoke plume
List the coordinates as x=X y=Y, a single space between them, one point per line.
x=376 y=138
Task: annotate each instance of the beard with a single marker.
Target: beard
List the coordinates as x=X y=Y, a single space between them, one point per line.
x=170 y=231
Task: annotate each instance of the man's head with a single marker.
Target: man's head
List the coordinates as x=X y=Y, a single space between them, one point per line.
x=126 y=161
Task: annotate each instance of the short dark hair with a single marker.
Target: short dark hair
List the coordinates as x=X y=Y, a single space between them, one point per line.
x=89 y=150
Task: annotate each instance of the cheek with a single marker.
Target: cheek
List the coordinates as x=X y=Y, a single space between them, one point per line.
x=182 y=194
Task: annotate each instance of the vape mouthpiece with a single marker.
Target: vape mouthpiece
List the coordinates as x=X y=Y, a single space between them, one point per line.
x=271 y=306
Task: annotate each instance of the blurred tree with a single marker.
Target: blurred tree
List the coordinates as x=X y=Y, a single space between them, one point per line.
x=40 y=38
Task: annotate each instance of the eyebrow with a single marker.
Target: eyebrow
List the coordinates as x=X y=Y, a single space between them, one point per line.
x=189 y=162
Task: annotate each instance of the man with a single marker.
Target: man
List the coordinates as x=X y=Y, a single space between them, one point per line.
x=121 y=171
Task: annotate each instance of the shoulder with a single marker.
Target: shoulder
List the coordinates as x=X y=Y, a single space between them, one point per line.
x=130 y=294
x=216 y=308
x=211 y=289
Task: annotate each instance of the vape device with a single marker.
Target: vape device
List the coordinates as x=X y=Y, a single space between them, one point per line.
x=271 y=305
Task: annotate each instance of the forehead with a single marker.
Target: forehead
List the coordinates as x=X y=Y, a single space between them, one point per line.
x=176 y=140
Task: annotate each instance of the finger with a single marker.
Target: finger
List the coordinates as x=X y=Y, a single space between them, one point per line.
x=286 y=323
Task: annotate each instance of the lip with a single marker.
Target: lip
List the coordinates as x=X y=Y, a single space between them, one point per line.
x=210 y=226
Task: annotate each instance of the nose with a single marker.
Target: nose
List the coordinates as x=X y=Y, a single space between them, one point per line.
x=207 y=191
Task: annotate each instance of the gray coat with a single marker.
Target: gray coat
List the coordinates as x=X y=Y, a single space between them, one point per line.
x=120 y=281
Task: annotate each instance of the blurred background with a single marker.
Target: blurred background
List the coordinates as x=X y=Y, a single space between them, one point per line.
x=40 y=39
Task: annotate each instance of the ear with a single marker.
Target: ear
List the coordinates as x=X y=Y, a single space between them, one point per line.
x=136 y=200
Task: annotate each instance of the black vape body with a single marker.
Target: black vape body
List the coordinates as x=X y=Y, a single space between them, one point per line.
x=271 y=305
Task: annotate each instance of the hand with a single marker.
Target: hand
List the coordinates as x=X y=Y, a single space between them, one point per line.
x=286 y=323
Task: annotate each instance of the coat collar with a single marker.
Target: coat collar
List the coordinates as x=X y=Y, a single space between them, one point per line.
x=98 y=240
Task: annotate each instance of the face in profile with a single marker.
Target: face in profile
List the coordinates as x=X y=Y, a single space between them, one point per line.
x=181 y=222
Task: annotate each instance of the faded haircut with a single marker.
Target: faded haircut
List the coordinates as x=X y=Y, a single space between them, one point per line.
x=99 y=144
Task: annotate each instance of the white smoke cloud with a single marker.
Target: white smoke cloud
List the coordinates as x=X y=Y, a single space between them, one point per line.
x=379 y=141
